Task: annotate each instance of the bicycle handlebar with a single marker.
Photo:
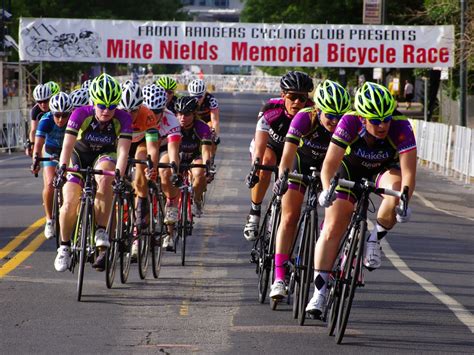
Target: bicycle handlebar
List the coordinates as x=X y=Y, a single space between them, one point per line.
x=37 y=160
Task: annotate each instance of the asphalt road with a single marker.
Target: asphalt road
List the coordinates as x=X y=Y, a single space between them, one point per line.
x=420 y=301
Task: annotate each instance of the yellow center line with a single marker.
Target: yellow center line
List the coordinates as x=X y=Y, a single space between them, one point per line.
x=22 y=255
x=21 y=237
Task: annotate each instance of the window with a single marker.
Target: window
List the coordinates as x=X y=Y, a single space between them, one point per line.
x=221 y=3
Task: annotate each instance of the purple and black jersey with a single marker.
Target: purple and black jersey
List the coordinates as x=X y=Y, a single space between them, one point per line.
x=274 y=120
x=364 y=159
x=192 y=140
x=94 y=136
x=309 y=134
x=36 y=113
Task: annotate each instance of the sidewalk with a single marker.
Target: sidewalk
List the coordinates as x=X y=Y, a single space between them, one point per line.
x=445 y=192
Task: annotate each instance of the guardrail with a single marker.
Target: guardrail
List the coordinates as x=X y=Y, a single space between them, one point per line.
x=445 y=148
x=12 y=130
x=219 y=83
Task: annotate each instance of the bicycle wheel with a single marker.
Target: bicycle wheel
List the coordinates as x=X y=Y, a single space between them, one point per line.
x=86 y=227
x=298 y=267
x=114 y=231
x=55 y=215
x=350 y=278
x=332 y=306
x=157 y=222
x=275 y=222
x=125 y=245
x=262 y=247
x=306 y=269
x=184 y=225
x=143 y=250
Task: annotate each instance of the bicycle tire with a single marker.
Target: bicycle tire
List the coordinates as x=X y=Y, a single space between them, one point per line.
x=296 y=268
x=55 y=216
x=275 y=222
x=262 y=243
x=332 y=306
x=351 y=275
x=157 y=238
x=306 y=269
x=125 y=246
x=114 y=231
x=143 y=251
x=184 y=225
x=85 y=231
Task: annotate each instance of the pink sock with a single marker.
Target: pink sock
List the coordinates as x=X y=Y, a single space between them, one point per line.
x=280 y=260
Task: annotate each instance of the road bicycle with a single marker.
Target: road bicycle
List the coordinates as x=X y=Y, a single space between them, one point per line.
x=120 y=228
x=262 y=253
x=301 y=264
x=83 y=247
x=347 y=274
x=185 y=214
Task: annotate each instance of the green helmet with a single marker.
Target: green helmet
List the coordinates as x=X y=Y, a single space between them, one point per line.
x=55 y=89
x=331 y=97
x=374 y=101
x=105 y=90
x=167 y=83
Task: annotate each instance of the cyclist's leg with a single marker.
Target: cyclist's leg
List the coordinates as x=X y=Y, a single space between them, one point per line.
x=171 y=192
x=199 y=180
x=49 y=173
x=104 y=195
x=140 y=184
x=258 y=194
x=336 y=220
x=390 y=178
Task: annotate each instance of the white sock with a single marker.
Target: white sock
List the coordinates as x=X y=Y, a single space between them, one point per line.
x=377 y=233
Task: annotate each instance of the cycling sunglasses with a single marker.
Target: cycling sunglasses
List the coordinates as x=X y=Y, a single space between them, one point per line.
x=331 y=116
x=109 y=107
x=158 y=111
x=62 y=114
x=293 y=97
x=378 y=121
x=43 y=101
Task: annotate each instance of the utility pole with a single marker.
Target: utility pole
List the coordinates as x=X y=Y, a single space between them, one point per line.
x=463 y=69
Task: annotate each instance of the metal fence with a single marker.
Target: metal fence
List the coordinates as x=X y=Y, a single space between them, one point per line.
x=12 y=130
x=446 y=149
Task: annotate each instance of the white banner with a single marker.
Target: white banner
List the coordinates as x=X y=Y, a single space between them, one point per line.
x=76 y=40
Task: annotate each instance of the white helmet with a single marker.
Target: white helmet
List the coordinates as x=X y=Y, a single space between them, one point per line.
x=132 y=96
x=197 y=87
x=86 y=84
x=154 y=97
x=42 y=92
x=79 y=97
x=61 y=102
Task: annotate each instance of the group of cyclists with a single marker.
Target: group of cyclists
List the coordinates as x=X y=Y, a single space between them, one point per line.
x=364 y=137
x=104 y=123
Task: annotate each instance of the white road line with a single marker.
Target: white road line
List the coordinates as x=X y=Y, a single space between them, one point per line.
x=458 y=309
x=430 y=204
x=11 y=158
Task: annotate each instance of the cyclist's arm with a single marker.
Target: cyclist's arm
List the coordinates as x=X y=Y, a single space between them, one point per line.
x=123 y=147
x=331 y=163
x=215 y=121
x=153 y=149
x=38 y=148
x=173 y=151
x=68 y=146
x=288 y=157
x=206 y=152
x=33 y=127
x=408 y=170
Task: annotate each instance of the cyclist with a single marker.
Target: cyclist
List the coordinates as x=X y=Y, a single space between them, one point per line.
x=97 y=136
x=273 y=123
x=144 y=141
x=169 y=84
x=208 y=111
x=41 y=94
x=376 y=142
x=154 y=97
x=195 y=146
x=79 y=97
x=50 y=135
x=306 y=144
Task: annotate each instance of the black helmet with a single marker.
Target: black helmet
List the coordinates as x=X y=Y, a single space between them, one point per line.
x=296 y=81
x=186 y=104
